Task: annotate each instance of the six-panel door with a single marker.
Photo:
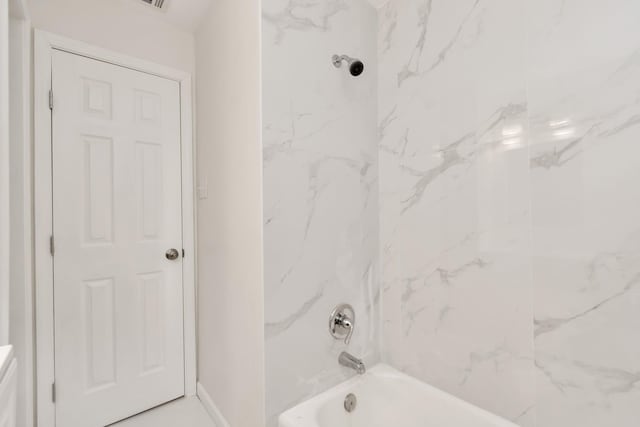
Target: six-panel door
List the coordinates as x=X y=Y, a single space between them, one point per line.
x=116 y=211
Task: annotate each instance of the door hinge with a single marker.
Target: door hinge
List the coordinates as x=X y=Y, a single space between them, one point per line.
x=53 y=392
x=182 y=253
x=51 y=100
x=52 y=246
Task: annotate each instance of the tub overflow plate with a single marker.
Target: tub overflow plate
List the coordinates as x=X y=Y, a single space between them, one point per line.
x=350 y=402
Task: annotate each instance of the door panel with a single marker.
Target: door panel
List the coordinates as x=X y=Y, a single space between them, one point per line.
x=116 y=210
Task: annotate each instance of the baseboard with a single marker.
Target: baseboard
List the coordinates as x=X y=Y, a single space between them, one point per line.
x=211 y=407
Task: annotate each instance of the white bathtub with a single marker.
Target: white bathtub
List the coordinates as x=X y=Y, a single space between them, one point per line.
x=388 y=398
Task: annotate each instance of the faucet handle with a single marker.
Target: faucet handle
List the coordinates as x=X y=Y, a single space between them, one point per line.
x=342 y=322
x=347 y=323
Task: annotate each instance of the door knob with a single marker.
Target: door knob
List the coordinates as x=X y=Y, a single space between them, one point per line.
x=172 y=254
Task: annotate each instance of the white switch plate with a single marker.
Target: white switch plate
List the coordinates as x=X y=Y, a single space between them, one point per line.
x=203 y=189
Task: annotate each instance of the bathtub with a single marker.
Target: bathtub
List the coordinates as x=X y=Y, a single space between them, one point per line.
x=388 y=398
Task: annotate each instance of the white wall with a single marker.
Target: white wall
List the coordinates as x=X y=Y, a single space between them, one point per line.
x=117 y=25
x=230 y=362
x=321 y=194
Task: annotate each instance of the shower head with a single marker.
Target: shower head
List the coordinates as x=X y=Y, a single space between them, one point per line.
x=356 y=67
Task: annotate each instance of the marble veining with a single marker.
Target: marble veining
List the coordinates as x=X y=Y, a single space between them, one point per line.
x=278 y=327
x=473 y=195
x=584 y=108
x=320 y=193
x=413 y=66
x=491 y=144
x=548 y=325
x=301 y=15
x=454 y=200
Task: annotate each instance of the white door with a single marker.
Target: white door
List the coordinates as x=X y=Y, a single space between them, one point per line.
x=116 y=211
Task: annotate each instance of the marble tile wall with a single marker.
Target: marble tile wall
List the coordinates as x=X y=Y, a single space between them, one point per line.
x=320 y=192
x=455 y=212
x=584 y=105
x=486 y=164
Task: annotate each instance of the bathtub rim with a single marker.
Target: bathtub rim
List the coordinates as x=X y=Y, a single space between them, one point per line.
x=303 y=410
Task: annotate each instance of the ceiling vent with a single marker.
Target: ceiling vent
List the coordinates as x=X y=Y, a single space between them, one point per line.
x=155 y=3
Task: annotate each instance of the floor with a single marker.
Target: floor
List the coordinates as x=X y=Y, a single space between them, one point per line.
x=187 y=412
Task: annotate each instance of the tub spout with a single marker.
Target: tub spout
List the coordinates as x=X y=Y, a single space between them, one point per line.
x=352 y=362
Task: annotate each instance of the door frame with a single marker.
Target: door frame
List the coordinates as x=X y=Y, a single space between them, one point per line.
x=4 y=173
x=44 y=45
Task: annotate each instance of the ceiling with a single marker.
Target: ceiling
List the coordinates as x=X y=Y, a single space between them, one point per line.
x=185 y=14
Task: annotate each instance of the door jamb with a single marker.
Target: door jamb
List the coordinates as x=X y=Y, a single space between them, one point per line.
x=44 y=45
